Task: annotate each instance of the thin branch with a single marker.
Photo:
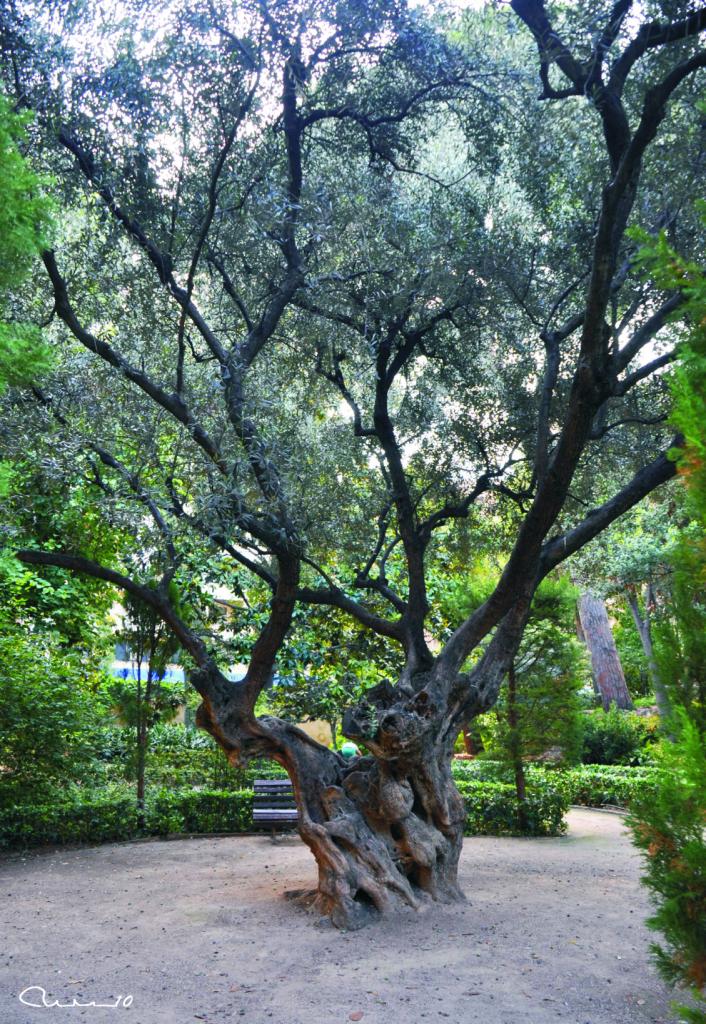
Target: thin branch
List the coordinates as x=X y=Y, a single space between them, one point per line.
x=172 y=403
x=161 y=261
x=647 y=370
x=651 y=421
x=460 y=510
x=647 y=331
x=336 y=598
x=649 y=36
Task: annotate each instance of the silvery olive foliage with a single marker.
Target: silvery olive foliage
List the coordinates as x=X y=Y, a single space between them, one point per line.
x=261 y=205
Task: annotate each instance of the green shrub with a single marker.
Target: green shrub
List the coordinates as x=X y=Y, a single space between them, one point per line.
x=668 y=827
x=588 y=785
x=597 y=785
x=105 y=816
x=183 y=769
x=94 y=817
x=217 y=811
x=492 y=810
x=199 y=811
x=46 y=711
x=615 y=737
x=481 y=769
x=174 y=736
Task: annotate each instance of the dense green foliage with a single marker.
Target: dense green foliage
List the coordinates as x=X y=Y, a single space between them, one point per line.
x=54 y=637
x=549 y=671
x=47 y=714
x=24 y=220
x=607 y=785
x=492 y=809
x=326 y=664
x=669 y=827
x=112 y=814
x=614 y=737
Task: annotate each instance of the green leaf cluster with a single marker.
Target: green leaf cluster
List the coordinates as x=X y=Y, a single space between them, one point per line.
x=668 y=826
x=24 y=231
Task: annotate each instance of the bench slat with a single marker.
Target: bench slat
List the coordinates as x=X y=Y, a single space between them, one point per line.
x=273 y=803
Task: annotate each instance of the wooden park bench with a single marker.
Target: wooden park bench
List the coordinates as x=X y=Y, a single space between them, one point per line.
x=273 y=805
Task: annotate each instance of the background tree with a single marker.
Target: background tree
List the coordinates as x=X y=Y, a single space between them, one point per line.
x=145 y=699
x=54 y=639
x=24 y=230
x=631 y=566
x=327 y=281
x=597 y=634
x=326 y=662
x=539 y=707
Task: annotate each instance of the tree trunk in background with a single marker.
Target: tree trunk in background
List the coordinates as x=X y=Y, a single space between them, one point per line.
x=469 y=743
x=516 y=748
x=643 y=626
x=608 y=674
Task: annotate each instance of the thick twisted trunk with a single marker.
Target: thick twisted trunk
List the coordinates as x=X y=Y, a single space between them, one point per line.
x=386 y=829
x=382 y=839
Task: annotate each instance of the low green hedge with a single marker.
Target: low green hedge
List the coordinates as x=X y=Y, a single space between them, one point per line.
x=110 y=815
x=492 y=809
x=598 y=785
x=481 y=769
x=97 y=817
x=94 y=817
x=200 y=811
x=591 y=785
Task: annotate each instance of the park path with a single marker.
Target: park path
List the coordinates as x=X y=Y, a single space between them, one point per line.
x=197 y=930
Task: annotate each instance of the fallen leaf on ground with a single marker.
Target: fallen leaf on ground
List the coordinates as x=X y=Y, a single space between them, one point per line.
x=356 y=1016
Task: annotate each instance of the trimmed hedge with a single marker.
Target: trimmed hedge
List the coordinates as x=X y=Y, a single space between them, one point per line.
x=590 y=785
x=480 y=770
x=97 y=817
x=597 y=785
x=492 y=809
x=200 y=811
x=110 y=815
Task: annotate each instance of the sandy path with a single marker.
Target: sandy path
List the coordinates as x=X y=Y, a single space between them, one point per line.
x=198 y=930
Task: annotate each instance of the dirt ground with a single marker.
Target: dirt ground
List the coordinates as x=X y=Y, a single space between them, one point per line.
x=198 y=930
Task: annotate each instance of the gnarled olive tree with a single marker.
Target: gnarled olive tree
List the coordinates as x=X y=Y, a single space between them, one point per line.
x=326 y=283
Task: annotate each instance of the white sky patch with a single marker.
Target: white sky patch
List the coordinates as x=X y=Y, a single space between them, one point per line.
x=458 y=5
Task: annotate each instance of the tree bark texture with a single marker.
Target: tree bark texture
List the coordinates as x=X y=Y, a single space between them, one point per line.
x=643 y=625
x=605 y=663
x=386 y=829
x=518 y=767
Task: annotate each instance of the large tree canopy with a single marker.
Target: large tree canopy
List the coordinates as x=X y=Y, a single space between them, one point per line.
x=333 y=282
